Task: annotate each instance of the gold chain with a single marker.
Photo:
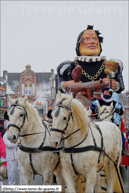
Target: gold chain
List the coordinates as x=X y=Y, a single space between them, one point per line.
x=92 y=78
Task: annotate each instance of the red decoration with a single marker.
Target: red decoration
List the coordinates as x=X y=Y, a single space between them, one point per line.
x=18 y=92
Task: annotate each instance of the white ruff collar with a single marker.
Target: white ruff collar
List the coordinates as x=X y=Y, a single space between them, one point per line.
x=90 y=58
x=106 y=100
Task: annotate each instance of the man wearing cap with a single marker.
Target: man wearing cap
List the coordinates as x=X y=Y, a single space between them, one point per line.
x=106 y=99
x=11 y=157
x=88 y=50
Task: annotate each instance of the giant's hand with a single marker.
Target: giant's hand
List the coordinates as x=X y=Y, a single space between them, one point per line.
x=76 y=75
x=115 y=84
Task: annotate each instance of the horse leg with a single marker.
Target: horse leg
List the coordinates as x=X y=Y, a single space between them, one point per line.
x=98 y=183
x=69 y=181
x=26 y=177
x=111 y=177
x=103 y=184
x=60 y=180
x=91 y=180
x=47 y=177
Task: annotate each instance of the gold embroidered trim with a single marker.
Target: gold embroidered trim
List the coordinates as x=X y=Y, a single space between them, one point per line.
x=92 y=78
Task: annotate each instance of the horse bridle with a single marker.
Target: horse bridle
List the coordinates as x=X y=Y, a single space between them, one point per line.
x=110 y=114
x=60 y=105
x=25 y=115
x=13 y=106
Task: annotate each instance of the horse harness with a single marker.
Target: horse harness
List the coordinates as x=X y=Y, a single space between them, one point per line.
x=72 y=149
x=40 y=149
x=13 y=106
x=94 y=147
x=29 y=150
x=110 y=114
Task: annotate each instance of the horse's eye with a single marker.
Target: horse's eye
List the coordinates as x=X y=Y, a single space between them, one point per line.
x=21 y=115
x=64 y=118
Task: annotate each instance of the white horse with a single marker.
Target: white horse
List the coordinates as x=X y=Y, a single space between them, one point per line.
x=71 y=127
x=105 y=112
x=25 y=120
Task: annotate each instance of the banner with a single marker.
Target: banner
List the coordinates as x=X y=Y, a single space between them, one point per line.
x=1 y=103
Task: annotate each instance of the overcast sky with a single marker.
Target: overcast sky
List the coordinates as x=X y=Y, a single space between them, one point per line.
x=44 y=33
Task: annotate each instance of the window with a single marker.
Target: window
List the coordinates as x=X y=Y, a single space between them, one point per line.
x=28 y=89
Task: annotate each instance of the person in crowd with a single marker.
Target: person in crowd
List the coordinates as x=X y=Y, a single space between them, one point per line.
x=3 y=168
x=0 y=144
x=2 y=129
x=106 y=99
x=11 y=157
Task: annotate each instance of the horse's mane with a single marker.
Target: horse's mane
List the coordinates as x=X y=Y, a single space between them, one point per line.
x=80 y=114
x=31 y=110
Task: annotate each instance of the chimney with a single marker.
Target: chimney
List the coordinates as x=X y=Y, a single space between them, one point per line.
x=4 y=74
x=52 y=71
x=28 y=67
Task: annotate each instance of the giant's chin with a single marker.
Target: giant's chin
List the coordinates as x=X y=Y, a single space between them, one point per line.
x=89 y=52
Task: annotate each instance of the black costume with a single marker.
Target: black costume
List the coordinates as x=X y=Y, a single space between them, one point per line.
x=93 y=66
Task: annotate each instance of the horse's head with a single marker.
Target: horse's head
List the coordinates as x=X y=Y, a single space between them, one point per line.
x=17 y=115
x=105 y=112
x=69 y=117
x=61 y=115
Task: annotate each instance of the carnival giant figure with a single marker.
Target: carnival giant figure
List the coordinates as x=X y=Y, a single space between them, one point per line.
x=93 y=67
x=88 y=50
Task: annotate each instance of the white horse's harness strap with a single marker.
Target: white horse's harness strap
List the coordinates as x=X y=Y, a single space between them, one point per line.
x=12 y=111
x=37 y=150
x=13 y=125
x=30 y=134
x=82 y=149
x=30 y=156
x=57 y=113
x=70 y=134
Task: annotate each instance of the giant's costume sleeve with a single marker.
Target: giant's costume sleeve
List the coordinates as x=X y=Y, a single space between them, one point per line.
x=119 y=77
x=64 y=72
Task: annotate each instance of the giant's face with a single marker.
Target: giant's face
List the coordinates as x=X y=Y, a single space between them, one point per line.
x=89 y=45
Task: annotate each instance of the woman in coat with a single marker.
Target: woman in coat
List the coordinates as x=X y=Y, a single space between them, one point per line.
x=11 y=157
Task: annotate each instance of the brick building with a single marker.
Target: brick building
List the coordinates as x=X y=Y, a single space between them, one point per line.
x=38 y=86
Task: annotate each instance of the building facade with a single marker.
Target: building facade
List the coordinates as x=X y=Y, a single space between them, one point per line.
x=39 y=87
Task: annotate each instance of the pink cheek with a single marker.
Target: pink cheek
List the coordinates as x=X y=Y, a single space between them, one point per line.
x=96 y=43
x=85 y=43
